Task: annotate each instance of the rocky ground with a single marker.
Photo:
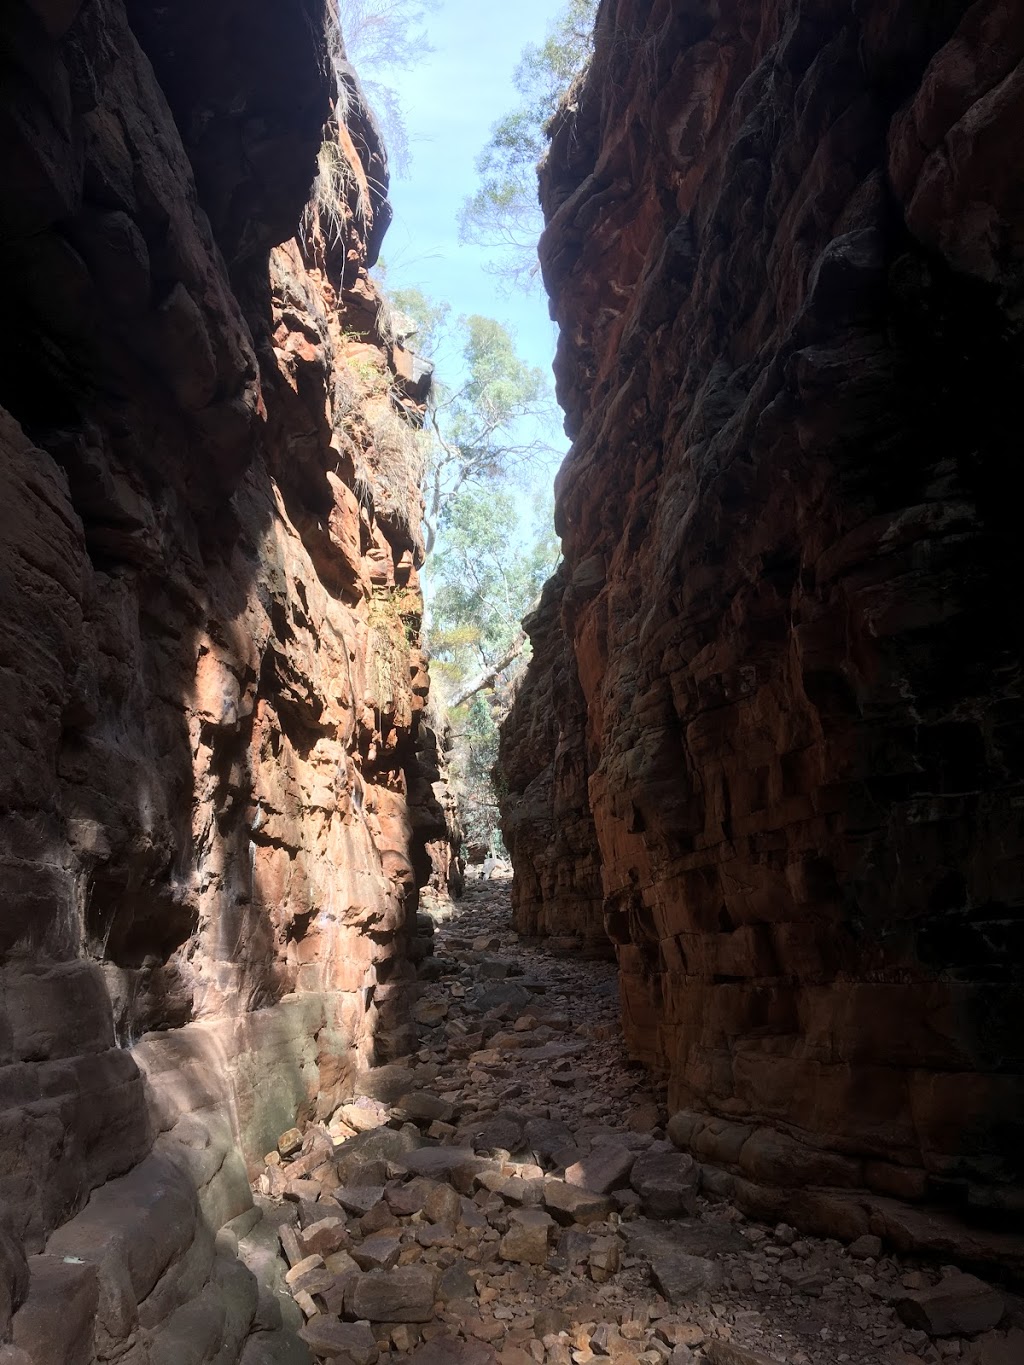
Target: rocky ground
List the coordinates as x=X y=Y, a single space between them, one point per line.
x=511 y=1196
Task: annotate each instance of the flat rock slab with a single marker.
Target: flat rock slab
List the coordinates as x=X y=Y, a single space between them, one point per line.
x=602 y=1170
x=709 y=1240
x=527 y=1237
x=378 y=1144
x=959 y=1305
x=498 y=1133
x=359 y=1199
x=447 y=1350
x=553 y=1052
x=547 y=1136
x=677 y=1273
x=571 y=1204
x=55 y=1321
x=514 y=993
x=380 y=1251
x=666 y=1183
x=405 y=1294
x=274 y=1348
x=995 y=1348
x=457 y=1165
x=328 y=1336
x=728 y=1353
x=423 y=1107
x=386 y=1083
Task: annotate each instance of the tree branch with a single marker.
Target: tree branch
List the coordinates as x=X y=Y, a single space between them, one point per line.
x=489 y=676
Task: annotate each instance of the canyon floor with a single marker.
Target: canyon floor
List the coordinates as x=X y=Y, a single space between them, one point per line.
x=509 y=1195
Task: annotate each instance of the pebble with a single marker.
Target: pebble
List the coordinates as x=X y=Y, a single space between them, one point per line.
x=507 y=1197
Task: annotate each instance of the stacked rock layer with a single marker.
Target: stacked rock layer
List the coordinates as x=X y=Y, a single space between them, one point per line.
x=219 y=789
x=772 y=725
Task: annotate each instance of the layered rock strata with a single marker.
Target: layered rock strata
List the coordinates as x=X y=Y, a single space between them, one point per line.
x=784 y=247
x=542 y=763
x=217 y=798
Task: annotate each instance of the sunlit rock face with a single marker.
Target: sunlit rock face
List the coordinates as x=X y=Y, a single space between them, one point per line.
x=784 y=246
x=219 y=793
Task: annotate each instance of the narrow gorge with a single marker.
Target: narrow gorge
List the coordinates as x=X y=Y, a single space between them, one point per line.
x=269 y=1093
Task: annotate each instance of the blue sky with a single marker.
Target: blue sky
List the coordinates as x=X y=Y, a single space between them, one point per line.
x=451 y=99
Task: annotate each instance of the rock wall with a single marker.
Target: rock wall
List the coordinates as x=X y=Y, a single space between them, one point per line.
x=784 y=246
x=547 y=826
x=218 y=797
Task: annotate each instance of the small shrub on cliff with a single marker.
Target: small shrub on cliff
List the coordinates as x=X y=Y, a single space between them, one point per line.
x=337 y=190
x=389 y=647
x=399 y=459
x=379 y=37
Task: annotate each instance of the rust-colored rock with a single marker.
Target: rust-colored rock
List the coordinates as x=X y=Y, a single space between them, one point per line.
x=546 y=823
x=780 y=670
x=218 y=794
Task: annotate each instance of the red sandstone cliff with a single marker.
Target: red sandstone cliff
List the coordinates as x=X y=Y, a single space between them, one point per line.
x=219 y=793
x=779 y=677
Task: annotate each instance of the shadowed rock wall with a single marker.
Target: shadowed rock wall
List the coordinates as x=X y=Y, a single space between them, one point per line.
x=542 y=760
x=218 y=797
x=785 y=247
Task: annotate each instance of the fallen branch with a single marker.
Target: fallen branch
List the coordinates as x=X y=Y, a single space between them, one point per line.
x=489 y=676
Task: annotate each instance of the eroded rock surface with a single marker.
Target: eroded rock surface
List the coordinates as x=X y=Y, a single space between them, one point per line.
x=219 y=786
x=777 y=675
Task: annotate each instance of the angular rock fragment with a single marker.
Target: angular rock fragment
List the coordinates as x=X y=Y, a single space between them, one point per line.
x=379 y=1144
x=602 y=1170
x=404 y=1294
x=364 y=1114
x=570 y=1204
x=728 y=1353
x=359 y=1199
x=456 y=1282
x=323 y=1237
x=406 y=1198
x=422 y=1107
x=604 y=1259
x=959 y=1305
x=293 y=1249
x=666 y=1183
x=447 y=1350
x=677 y=1273
x=295 y=1274
x=352 y=1341
x=457 y=1165
x=290 y=1142
x=380 y=1251
x=527 y=1237
x=442 y=1204
x=512 y=993
x=340 y=1263
x=430 y=1013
